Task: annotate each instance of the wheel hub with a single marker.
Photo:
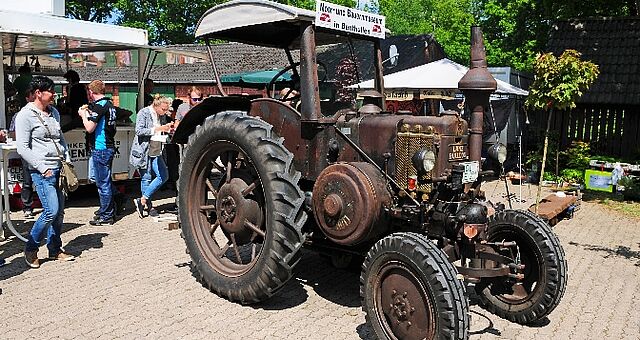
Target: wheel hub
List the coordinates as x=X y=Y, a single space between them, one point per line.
x=228 y=209
x=401 y=308
x=404 y=304
x=235 y=210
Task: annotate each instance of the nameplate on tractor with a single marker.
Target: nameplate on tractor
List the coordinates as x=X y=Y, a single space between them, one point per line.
x=458 y=152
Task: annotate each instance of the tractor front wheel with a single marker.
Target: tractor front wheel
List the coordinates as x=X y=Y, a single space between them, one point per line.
x=410 y=290
x=545 y=271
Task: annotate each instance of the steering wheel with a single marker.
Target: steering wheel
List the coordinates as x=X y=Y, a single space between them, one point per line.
x=294 y=83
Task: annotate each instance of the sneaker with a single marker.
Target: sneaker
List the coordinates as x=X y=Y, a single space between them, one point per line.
x=153 y=212
x=62 y=256
x=96 y=213
x=139 y=207
x=28 y=213
x=99 y=221
x=31 y=258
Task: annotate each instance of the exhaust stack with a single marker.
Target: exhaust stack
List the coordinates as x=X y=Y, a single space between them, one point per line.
x=477 y=85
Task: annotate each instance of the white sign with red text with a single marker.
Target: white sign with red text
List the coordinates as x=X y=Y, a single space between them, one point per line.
x=350 y=20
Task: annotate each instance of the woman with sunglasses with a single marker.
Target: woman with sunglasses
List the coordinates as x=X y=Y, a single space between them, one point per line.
x=146 y=151
x=195 y=98
x=40 y=142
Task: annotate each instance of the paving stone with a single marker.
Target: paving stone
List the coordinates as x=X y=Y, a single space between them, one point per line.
x=130 y=282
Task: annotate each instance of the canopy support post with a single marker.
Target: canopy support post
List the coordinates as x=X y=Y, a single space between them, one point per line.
x=3 y=104
x=216 y=75
x=142 y=61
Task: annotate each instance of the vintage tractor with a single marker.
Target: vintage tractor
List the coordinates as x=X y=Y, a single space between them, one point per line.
x=262 y=178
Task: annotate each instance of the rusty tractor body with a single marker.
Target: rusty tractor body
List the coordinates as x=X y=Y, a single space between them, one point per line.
x=262 y=178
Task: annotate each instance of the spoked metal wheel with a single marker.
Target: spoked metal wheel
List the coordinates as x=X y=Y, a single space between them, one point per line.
x=410 y=291
x=545 y=271
x=240 y=208
x=228 y=209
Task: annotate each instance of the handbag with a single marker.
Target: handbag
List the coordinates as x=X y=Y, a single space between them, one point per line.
x=155 y=148
x=68 y=180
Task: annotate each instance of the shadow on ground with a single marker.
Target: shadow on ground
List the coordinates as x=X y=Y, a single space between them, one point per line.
x=15 y=246
x=340 y=286
x=620 y=251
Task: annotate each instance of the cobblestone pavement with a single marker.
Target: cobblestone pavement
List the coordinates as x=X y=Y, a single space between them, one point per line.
x=132 y=280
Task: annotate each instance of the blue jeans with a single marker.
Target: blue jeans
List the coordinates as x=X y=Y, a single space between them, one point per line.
x=52 y=216
x=102 y=162
x=91 y=170
x=153 y=177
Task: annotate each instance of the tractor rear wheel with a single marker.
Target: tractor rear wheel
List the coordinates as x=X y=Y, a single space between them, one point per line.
x=240 y=209
x=410 y=290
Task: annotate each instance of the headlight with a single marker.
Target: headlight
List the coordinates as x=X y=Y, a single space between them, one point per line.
x=424 y=160
x=498 y=152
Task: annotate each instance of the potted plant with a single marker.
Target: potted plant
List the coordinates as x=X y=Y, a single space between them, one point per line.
x=558 y=83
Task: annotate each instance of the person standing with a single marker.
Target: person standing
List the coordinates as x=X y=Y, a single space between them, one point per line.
x=148 y=88
x=146 y=152
x=76 y=97
x=195 y=98
x=22 y=83
x=26 y=192
x=99 y=118
x=40 y=142
x=173 y=150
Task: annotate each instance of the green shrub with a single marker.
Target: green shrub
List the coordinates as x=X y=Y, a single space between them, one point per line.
x=573 y=175
x=631 y=188
x=576 y=156
x=549 y=176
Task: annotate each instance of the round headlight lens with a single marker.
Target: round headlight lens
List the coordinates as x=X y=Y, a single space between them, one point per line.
x=424 y=160
x=498 y=152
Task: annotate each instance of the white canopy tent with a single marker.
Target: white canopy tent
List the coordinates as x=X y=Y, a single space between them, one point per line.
x=443 y=74
x=27 y=34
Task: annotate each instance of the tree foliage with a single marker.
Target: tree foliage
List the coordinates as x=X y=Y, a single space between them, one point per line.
x=90 y=10
x=559 y=82
x=515 y=30
x=447 y=20
x=168 y=21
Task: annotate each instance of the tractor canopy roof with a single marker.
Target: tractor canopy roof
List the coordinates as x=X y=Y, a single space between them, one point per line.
x=261 y=22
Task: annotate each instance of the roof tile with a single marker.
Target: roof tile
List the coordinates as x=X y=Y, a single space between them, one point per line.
x=611 y=43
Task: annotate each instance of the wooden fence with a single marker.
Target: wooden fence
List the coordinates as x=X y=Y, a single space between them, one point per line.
x=610 y=130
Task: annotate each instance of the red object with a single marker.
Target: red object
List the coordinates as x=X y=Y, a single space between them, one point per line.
x=17 y=188
x=412 y=183
x=325 y=17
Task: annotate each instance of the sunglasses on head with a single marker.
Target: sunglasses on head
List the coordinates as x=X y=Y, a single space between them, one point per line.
x=196 y=99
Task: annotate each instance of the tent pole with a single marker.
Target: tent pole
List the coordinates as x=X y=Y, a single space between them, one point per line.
x=13 y=53
x=3 y=114
x=142 y=61
x=216 y=75
x=66 y=53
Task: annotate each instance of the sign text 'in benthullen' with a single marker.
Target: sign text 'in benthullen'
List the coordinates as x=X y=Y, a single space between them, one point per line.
x=350 y=20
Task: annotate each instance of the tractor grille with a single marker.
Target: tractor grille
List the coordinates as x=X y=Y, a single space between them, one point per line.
x=407 y=144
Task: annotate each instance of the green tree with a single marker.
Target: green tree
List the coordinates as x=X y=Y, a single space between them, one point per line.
x=447 y=20
x=557 y=84
x=90 y=10
x=168 y=21
x=516 y=30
